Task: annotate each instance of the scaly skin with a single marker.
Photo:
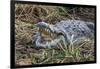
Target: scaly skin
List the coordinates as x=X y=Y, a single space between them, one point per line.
x=67 y=31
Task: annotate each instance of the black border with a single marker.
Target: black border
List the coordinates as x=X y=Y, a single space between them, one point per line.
x=12 y=34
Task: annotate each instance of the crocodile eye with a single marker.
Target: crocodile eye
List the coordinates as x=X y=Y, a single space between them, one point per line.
x=60 y=34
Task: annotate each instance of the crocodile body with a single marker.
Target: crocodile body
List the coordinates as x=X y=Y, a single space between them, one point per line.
x=67 y=31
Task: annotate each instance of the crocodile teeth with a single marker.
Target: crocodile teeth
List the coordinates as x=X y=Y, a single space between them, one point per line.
x=47 y=30
x=51 y=34
x=37 y=28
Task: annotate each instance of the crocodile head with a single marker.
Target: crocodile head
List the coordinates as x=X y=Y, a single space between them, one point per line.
x=48 y=35
x=48 y=29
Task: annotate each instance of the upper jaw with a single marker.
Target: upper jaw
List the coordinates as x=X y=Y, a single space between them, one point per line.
x=48 y=28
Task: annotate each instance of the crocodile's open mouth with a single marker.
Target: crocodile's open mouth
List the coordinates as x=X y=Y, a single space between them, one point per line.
x=47 y=34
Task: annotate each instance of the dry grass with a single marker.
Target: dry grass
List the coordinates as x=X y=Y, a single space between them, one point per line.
x=28 y=15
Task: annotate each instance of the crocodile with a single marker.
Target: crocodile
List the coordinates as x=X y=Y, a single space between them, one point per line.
x=66 y=31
